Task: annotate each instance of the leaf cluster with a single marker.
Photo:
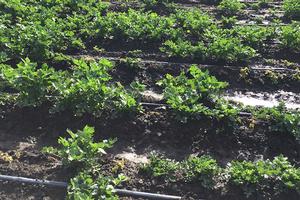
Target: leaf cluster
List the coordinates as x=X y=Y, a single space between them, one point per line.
x=196 y=93
x=161 y=167
x=290 y=37
x=231 y=7
x=86 y=187
x=80 y=149
x=280 y=119
x=277 y=174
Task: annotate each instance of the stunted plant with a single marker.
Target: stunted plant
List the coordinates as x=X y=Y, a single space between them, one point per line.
x=131 y=63
x=161 y=167
x=202 y=169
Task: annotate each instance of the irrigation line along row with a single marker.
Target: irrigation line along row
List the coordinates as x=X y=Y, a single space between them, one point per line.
x=243 y=114
x=189 y=5
x=121 y=192
x=152 y=61
x=215 y=9
x=269 y=3
x=196 y=2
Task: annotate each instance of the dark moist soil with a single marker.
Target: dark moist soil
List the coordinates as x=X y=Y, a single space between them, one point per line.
x=147 y=48
x=25 y=131
x=149 y=73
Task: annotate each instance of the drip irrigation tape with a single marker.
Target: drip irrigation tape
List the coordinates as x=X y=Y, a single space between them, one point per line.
x=146 y=195
x=245 y=114
x=65 y=185
x=33 y=181
x=201 y=65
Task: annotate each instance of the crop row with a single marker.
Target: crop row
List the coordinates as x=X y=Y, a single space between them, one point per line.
x=291 y=8
x=38 y=31
x=88 y=88
x=278 y=73
x=263 y=179
x=195 y=94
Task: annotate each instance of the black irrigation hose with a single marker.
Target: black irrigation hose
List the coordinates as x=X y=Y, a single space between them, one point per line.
x=269 y=3
x=154 y=104
x=33 y=181
x=198 y=3
x=145 y=194
x=153 y=61
x=64 y=185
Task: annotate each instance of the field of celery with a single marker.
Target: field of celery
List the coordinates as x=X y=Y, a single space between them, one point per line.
x=194 y=98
